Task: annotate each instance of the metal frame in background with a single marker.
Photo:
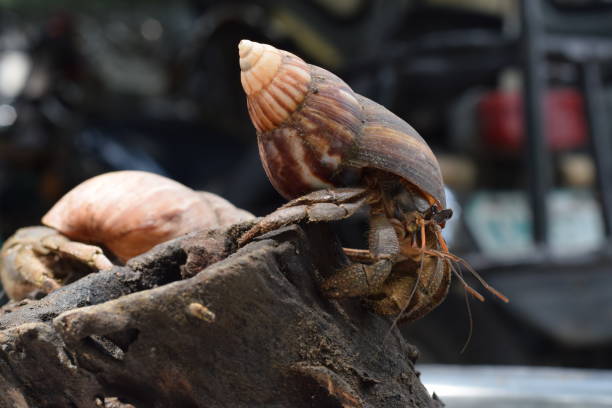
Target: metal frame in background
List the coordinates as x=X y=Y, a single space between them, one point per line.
x=589 y=53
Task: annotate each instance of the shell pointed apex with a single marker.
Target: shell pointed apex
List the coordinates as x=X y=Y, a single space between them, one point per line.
x=244 y=47
x=275 y=82
x=259 y=64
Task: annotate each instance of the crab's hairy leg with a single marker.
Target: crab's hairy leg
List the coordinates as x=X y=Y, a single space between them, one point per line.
x=359 y=255
x=335 y=195
x=365 y=255
x=382 y=239
x=361 y=280
x=322 y=205
x=357 y=279
x=91 y=255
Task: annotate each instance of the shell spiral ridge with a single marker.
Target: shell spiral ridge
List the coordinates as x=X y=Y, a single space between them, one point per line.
x=276 y=83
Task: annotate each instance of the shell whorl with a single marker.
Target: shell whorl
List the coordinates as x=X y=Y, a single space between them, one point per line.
x=276 y=82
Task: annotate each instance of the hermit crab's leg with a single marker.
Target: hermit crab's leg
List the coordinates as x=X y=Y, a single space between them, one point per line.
x=364 y=255
x=358 y=279
x=330 y=195
x=90 y=255
x=34 y=259
x=321 y=205
x=359 y=255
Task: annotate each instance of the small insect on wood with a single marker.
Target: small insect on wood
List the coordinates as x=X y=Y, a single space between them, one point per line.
x=314 y=134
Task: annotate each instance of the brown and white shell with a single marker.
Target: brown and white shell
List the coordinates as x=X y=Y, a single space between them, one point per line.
x=129 y=212
x=313 y=129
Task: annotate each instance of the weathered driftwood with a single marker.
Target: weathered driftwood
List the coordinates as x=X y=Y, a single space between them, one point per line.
x=168 y=330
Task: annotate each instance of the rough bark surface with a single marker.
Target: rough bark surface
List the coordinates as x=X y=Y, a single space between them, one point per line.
x=195 y=323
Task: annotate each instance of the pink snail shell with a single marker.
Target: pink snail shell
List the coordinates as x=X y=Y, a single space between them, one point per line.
x=129 y=212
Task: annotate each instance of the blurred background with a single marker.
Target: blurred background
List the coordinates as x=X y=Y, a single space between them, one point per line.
x=511 y=95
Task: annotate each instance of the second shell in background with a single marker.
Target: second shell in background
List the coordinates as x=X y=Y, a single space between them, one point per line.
x=129 y=212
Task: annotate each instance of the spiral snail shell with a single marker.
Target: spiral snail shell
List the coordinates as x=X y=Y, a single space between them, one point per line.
x=313 y=129
x=129 y=212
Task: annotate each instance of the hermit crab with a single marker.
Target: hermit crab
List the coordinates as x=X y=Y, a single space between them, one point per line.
x=126 y=213
x=332 y=151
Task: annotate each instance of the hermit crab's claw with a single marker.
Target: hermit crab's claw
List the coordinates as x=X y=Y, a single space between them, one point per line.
x=39 y=260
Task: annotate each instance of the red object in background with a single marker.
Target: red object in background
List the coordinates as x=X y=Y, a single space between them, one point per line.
x=501 y=120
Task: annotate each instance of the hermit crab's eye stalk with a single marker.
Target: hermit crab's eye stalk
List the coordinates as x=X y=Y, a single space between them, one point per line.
x=439 y=217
